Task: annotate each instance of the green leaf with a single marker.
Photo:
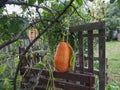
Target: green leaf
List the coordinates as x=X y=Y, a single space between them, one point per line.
x=117 y=88
x=2 y=68
x=19 y=78
x=108 y=87
x=39 y=65
x=2 y=56
x=112 y=1
x=6 y=84
x=13 y=27
x=31 y=1
x=72 y=59
x=1 y=41
x=3 y=19
x=1 y=10
x=17 y=43
x=70 y=9
x=59 y=7
x=16 y=59
x=118 y=1
x=80 y=2
x=40 y=1
x=96 y=64
x=111 y=87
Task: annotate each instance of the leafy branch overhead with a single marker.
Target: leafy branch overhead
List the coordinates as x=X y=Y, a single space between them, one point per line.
x=39 y=13
x=118 y=2
x=36 y=13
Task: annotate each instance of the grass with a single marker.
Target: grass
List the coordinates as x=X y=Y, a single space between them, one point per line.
x=113 y=55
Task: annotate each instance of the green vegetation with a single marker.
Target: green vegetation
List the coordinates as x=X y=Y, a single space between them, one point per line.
x=52 y=19
x=112 y=19
x=113 y=55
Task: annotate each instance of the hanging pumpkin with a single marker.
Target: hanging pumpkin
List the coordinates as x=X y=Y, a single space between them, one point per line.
x=64 y=57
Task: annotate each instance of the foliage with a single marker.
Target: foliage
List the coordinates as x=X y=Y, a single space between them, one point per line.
x=112 y=18
x=41 y=14
x=8 y=62
x=118 y=2
x=111 y=87
x=2 y=68
x=10 y=25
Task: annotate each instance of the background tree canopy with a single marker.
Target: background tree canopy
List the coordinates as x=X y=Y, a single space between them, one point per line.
x=42 y=13
x=112 y=18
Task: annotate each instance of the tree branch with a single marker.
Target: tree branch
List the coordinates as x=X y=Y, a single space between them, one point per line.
x=40 y=34
x=2 y=3
x=75 y=9
x=18 y=35
x=26 y=4
x=49 y=26
x=40 y=16
x=89 y=11
x=13 y=39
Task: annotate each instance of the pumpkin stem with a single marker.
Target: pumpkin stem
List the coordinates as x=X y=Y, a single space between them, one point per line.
x=67 y=36
x=63 y=37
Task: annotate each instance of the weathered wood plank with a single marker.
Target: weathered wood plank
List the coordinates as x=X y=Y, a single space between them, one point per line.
x=90 y=51
x=102 y=60
x=88 y=26
x=94 y=35
x=66 y=85
x=94 y=58
x=39 y=88
x=81 y=58
x=96 y=72
x=68 y=76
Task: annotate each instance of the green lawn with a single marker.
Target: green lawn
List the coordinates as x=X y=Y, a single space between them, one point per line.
x=113 y=55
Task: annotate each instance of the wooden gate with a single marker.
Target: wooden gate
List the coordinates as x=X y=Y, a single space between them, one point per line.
x=83 y=78
x=89 y=31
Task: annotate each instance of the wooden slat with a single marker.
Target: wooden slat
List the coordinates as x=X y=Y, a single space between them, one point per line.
x=65 y=85
x=88 y=26
x=69 y=76
x=81 y=58
x=94 y=58
x=94 y=35
x=39 y=88
x=90 y=51
x=102 y=60
x=96 y=72
x=97 y=59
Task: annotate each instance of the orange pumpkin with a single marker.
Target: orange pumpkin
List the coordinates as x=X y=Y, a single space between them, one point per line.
x=62 y=57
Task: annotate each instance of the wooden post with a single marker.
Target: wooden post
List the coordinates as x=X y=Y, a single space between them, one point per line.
x=102 y=60
x=22 y=58
x=81 y=62
x=90 y=51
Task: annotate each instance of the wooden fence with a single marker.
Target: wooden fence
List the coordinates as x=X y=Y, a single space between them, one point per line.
x=89 y=29
x=83 y=78
x=64 y=81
